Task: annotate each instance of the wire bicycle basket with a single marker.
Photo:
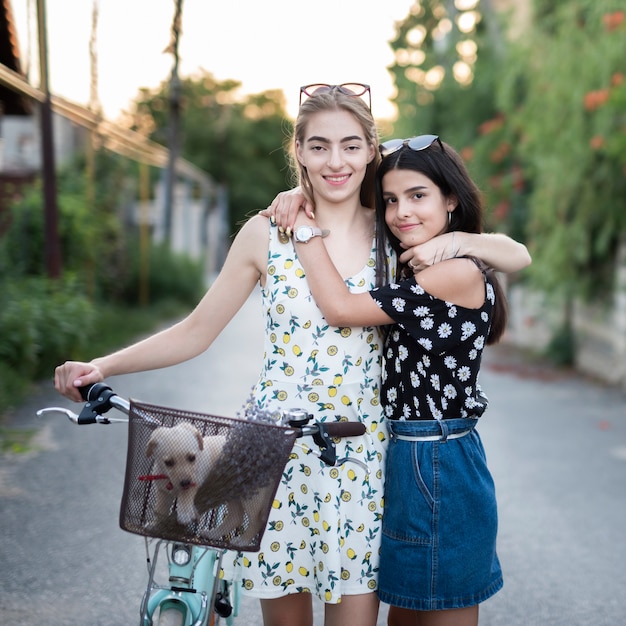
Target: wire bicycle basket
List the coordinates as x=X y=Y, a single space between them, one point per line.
x=238 y=469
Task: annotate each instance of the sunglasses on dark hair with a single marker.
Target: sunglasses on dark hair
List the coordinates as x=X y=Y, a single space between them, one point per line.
x=348 y=89
x=418 y=143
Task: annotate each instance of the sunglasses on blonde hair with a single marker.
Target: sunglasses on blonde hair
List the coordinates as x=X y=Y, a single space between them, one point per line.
x=421 y=142
x=348 y=89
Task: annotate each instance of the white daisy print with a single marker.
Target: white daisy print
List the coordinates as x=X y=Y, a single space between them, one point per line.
x=434 y=409
x=427 y=323
x=444 y=330
x=467 y=330
x=427 y=344
x=398 y=304
x=463 y=373
x=449 y=391
x=450 y=362
x=421 y=311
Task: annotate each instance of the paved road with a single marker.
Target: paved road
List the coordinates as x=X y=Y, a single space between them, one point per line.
x=556 y=444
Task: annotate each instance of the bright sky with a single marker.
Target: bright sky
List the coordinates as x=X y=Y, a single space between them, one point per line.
x=275 y=44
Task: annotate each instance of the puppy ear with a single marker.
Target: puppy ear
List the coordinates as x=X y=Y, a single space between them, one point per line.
x=196 y=432
x=152 y=443
x=200 y=439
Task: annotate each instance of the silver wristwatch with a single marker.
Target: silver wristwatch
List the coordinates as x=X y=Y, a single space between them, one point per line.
x=304 y=234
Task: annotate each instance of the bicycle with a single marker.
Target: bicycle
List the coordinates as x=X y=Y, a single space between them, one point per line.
x=230 y=505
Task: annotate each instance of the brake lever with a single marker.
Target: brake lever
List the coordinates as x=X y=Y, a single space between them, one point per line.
x=348 y=459
x=58 y=409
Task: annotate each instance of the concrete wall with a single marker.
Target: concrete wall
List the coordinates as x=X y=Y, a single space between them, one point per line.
x=21 y=148
x=600 y=331
x=200 y=225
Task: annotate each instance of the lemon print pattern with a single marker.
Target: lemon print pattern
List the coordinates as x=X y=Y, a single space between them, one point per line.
x=324 y=530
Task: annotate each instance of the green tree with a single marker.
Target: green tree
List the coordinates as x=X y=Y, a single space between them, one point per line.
x=237 y=140
x=443 y=69
x=562 y=104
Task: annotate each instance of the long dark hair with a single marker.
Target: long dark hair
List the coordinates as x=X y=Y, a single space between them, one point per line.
x=446 y=169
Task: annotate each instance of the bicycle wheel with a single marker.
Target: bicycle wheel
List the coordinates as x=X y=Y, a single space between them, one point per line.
x=172 y=616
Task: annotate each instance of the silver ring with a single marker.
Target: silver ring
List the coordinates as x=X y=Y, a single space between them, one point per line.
x=411 y=265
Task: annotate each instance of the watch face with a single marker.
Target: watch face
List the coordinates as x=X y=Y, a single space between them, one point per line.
x=304 y=233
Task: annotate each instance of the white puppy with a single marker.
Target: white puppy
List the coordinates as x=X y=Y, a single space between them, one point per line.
x=184 y=459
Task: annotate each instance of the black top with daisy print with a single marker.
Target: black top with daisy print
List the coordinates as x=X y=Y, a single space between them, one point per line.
x=432 y=353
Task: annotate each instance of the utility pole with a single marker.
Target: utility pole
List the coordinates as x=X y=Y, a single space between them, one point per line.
x=51 y=214
x=174 y=123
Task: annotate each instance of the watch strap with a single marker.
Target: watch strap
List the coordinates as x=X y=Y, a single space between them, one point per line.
x=315 y=232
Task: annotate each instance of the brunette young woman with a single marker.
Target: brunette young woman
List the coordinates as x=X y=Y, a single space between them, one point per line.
x=438 y=555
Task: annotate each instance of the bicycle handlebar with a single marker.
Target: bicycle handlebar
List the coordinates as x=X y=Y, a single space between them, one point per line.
x=100 y=398
x=345 y=429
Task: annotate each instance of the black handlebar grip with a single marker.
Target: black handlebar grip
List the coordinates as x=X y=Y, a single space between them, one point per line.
x=344 y=429
x=90 y=392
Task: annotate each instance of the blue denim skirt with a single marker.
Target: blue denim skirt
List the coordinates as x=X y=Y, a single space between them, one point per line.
x=440 y=519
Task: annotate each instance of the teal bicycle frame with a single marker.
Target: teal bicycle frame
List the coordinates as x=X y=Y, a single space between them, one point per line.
x=193 y=587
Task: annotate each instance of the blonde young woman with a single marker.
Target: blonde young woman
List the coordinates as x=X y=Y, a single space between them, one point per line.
x=323 y=535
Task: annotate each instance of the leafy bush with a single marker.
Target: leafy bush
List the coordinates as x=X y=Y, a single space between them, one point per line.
x=13 y=387
x=92 y=236
x=37 y=332
x=169 y=276
x=40 y=320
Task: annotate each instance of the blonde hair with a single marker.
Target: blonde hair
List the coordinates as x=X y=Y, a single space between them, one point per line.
x=335 y=100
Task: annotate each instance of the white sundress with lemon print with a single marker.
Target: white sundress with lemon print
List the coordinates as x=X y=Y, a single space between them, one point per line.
x=323 y=533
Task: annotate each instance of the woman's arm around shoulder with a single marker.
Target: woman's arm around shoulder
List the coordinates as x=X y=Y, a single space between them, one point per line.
x=285 y=207
x=338 y=304
x=494 y=249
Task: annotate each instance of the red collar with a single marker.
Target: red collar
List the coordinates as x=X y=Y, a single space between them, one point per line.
x=169 y=485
